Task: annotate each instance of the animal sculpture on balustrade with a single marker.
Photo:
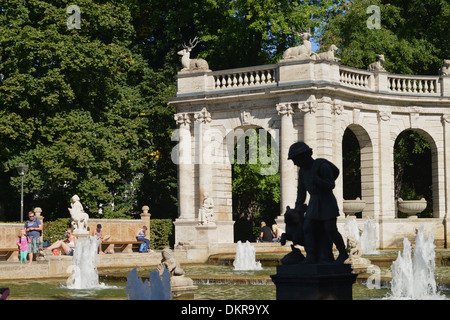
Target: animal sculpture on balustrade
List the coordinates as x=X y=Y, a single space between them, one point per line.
x=188 y=63
x=377 y=65
x=327 y=55
x=445 y=70
x=300 y=52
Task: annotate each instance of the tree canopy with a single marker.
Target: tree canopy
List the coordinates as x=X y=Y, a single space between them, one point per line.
x=77 y=105
x=413 y=35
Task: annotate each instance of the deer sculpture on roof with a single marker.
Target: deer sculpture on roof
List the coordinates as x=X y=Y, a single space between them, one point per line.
x=300 y=52
x=188 y=63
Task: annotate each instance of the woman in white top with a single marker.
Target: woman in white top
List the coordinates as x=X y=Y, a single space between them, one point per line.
x=67 y=246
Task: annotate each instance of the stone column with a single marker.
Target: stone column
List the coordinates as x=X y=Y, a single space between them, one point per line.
x=185 y=168
x=309 y=108
x=202 y=124
x=288 y=185
x=386 y=173
x=446 y=125
x=336 y=152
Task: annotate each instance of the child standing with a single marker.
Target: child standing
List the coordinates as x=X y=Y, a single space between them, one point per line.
x=22 y=242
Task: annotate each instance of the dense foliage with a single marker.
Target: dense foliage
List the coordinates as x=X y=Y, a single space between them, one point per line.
x=77 y=106
x=413 y=35
x=161 y=234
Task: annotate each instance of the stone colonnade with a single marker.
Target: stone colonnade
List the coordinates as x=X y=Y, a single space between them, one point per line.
x=314 y=101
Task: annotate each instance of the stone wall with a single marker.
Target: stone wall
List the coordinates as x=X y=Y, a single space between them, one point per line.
x=9 y=233
x=119 y=229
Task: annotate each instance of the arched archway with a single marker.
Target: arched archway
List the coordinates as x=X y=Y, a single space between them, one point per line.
x=358 y=167
x=255 y=181
x=415 y=169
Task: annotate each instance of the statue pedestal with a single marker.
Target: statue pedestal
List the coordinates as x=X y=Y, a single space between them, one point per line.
x=206 y=234
x=182 y=287
x=81 y=234
x=314 y=282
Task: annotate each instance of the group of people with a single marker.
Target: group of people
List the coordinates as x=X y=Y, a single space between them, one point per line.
x=29 y=240
x=67 y=246
x=270 y=235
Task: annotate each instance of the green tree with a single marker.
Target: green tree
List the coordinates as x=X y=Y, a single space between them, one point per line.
x=351 y=165
x=256 y=183
x=77 y=105
x=412 y=169
x=412 y=35
x=233 y=34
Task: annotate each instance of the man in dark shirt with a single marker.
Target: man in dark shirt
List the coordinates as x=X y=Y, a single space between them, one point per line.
x=317 y=176
x=33 y=228
x=266 y=234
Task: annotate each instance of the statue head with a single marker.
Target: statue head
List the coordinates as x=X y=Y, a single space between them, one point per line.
x=166 y=253
x=300 y=153
x=75 y=198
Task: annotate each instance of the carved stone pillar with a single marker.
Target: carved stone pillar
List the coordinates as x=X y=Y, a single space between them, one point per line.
x=309 y=108
x=386 y=177
x=185 y=168
x=446 y=125
x=202 y=121
x=288 y=171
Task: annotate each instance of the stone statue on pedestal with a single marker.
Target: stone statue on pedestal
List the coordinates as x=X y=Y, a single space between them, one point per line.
x=314 y=225
x=206 y=212
x=318 y=276
x=79 y=217
x=178 y=282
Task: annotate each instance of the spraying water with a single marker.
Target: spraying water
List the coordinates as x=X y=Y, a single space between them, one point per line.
x=414 y=278
x=369 y=238
x=84 y=274
x=245 y=258
x=351 y=227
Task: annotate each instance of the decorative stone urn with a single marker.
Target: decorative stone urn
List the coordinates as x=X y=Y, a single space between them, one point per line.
x=351 y=207
x=411 y=207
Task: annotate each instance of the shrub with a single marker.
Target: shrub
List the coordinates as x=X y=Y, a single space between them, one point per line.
x=161 y=233
x=55 y=230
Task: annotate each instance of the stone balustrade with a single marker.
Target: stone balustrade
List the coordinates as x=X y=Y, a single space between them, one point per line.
x=245 y=77
x=288 y=72
x=356 y=78
x=428 y=85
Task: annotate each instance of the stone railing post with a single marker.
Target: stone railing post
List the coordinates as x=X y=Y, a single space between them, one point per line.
x=381 y=81
x=445 y=85
x=145 y=217
x=37 y=214
x=194 y=82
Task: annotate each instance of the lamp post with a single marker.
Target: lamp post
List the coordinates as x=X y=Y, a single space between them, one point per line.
x=22 y=170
